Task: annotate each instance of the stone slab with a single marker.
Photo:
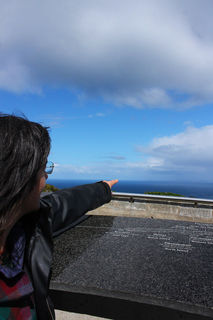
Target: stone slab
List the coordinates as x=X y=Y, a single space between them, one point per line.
x=156 y=262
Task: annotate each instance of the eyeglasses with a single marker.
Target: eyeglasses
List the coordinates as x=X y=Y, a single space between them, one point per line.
x=49 y=167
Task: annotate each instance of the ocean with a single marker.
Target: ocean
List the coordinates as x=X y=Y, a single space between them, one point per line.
x=195 y=190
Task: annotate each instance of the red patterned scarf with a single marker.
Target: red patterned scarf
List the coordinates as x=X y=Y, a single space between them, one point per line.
x=16 y=291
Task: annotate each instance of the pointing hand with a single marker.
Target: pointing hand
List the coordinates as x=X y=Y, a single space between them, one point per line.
x=111 y=182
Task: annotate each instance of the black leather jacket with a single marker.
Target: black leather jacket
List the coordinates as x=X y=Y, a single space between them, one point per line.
x=59 y=211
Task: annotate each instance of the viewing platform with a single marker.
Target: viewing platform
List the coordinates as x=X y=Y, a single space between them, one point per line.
x=158 y=207
x=137 y=257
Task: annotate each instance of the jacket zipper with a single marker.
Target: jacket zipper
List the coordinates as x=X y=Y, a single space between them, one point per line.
x=49 y=309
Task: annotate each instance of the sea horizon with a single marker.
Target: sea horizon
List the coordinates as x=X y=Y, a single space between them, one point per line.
x=186 y=188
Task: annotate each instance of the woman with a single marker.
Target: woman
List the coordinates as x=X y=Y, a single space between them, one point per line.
x=27 y=223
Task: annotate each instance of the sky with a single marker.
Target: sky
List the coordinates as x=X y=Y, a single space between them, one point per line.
x=126 y=87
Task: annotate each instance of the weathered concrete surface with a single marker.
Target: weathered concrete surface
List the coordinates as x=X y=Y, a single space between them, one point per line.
x=63 y=315
x=171 y=209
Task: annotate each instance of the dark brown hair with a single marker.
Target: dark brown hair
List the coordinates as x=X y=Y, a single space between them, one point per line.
x=24 y=147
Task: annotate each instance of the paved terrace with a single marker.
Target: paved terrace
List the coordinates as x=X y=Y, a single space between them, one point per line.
x=188 y=214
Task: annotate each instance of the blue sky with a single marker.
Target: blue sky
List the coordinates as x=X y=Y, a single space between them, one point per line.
x=126 y=89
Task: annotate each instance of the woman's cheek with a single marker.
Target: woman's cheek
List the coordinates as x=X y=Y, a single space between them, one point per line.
x=42 y=183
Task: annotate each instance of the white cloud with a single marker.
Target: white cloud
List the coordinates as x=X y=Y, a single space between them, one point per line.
x=114 y=156
x=98 y=114
x=189 y=153
x=137 y=53
x=67 y=169
x=188 y=123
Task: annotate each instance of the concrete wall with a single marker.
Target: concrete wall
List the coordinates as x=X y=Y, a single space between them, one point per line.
x=158 y=208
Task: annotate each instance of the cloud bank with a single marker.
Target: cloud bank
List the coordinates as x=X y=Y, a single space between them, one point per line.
x=147 y=53
x=186 y=156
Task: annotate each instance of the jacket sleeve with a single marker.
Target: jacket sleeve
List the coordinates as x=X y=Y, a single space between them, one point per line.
x=68 y=206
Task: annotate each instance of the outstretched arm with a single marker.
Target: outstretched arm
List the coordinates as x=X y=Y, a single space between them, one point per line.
x=69 y=205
